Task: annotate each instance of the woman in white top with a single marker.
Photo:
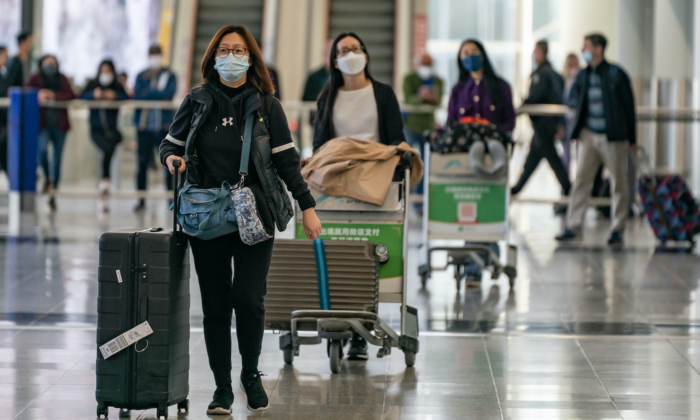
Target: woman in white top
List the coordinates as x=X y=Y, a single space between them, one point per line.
x=353 y=104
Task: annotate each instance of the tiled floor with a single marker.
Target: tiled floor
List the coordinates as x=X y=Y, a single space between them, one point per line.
x=587 y=333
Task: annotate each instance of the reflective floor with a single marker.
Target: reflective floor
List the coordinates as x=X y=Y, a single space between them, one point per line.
x=587 y=333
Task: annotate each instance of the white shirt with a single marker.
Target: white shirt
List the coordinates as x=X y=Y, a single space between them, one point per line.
x=355 y=114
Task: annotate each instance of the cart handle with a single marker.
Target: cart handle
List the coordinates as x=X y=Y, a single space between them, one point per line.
x=407 y=160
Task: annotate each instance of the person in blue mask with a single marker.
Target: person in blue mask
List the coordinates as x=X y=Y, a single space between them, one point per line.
x=606 y=126
x=209 y=129
x=480 y=93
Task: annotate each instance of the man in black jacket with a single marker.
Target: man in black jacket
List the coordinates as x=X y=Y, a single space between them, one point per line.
x=606 y=125
x=546 y=87
x=19 y=68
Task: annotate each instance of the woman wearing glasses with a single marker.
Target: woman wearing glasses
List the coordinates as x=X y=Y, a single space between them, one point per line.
x=210 y=121
x=353 y=104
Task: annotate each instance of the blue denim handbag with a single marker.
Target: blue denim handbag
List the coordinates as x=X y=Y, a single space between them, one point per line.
x=210 y=213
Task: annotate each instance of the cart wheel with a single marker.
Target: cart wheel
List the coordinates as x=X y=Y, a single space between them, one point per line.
x=162 y=412
x=183 y=406
x=124 y=414
x=102 y=410
x=410 y=358
x=288 y=355
x=335 y=356
x=512 y=273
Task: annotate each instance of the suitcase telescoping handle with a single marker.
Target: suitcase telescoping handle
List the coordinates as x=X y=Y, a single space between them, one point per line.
x=176 y=165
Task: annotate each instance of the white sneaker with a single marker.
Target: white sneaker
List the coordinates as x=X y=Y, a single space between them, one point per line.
x=104 y=186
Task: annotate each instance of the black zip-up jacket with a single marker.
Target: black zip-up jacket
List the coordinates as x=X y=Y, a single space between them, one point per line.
x=104 y=118
x=388 y=113
x=272 y=153
x=618 y=102
x=546 y=87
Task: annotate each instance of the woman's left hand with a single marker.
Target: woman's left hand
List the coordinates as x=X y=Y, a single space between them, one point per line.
x=312 y=226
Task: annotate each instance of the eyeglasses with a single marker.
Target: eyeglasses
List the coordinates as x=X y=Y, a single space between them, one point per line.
x=238 y=51
x=357 y=49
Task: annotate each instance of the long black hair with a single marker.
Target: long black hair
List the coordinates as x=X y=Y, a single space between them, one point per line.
x=109 y=63
x=335 y=80
x=493 y=82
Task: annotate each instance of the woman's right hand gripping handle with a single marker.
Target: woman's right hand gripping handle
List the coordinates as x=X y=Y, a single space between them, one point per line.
x=171 y=167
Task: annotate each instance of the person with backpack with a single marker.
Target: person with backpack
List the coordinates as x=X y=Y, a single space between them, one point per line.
x=353 y=104
x=103 y=122
x=606 y=124
x=546 y=87
x=207 y=139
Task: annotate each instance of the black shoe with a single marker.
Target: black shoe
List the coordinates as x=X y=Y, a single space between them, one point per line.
x=615 y=238
x=223 y=400
x=358 y=349
x=515 y=191
x=141 y=206
x=254 y=391
x=567 y=235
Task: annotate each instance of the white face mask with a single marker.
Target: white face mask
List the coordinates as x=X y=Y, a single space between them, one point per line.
x=352 y=63
x=424 y=72
x=155 y=61
x=106 y=79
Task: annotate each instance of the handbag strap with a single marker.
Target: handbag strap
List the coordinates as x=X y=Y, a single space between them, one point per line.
x=245 y=153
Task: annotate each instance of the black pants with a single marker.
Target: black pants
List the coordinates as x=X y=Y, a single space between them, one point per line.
x=220 y=296
x=148 y=141
x=106 y=141
x=543 y=147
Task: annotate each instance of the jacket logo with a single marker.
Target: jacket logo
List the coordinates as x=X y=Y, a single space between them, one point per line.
x=228 y=122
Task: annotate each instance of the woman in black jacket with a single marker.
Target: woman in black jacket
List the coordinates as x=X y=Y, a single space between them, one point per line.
x=210 y=124
x=103 y=122
x=353 y=104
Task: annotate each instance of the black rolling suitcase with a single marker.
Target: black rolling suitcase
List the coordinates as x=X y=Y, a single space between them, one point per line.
x=143 y=276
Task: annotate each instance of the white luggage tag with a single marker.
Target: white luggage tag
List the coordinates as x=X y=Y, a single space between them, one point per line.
x=125 y=340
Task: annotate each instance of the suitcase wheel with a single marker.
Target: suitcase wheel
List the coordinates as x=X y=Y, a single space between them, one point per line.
x=102 y=410
x=162 y=412
x=184 y=406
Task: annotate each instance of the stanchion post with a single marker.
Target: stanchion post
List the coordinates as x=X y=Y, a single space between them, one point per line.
x=22 y=149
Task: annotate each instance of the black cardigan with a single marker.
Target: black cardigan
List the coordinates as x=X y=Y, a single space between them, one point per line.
x=388 y=113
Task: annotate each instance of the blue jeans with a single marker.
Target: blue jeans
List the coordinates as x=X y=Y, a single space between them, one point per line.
x=58 y=138
x=417 y=141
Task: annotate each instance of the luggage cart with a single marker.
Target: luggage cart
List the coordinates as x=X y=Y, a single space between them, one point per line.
x=387 y=227
x=459 y=205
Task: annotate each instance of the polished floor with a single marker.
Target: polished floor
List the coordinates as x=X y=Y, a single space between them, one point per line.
x=587 y=333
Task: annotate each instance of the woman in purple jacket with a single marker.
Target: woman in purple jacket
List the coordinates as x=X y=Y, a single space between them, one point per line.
x=480 y=93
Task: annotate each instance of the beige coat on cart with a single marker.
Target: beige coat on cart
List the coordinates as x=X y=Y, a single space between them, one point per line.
x=358 y=169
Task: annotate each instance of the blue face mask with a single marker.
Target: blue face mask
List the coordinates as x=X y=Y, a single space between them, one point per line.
x=231 y=68
x=473 y=62
x=587 y=56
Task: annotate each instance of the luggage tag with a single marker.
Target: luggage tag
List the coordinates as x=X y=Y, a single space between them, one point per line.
x=123 y=341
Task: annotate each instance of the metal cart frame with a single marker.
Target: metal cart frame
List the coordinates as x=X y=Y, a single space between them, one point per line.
x=339 y=326
x=461 y=256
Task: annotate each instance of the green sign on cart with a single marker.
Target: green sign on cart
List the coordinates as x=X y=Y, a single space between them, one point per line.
x=389 y=234
x=456 y=209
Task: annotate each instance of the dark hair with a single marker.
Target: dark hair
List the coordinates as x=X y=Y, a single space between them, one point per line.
x=22 y=36
x=155 y=49
x=258 y=75
x=493 y=82
x=3 y=48
x=44 y=57
x=597 y=39
x=543 y=46
x=335 y=79
x=109 y=63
